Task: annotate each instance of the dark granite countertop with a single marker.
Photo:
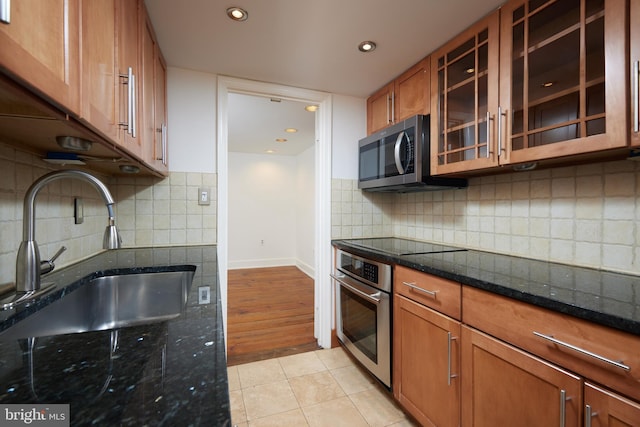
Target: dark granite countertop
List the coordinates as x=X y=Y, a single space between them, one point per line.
x=607 y=298
x=166 y=373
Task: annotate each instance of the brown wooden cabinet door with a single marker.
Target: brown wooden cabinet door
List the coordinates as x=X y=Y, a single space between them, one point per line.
x=426 y=378
x=606 y=409
x=147 y=84
x=464 y=101
x=99 y=74
x=563 y=72
x=504 y=386
x=129 y=65
x=40 y=48
x=412 y=91
x=634 y=33
x=379 y=109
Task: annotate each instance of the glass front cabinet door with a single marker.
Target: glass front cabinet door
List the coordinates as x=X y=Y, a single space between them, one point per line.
x=563 y=74
x=464 y=100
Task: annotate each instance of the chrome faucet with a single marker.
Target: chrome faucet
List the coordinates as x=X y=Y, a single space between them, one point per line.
x=28 y=265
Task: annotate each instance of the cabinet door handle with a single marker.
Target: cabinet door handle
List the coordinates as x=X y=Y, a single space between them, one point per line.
x=419 y=289
x=5 y=11
x=489 y=120
x=450 y=338
x=130 y=82
x=635 y=81
x=563 y=407
x=393 y=107
x=583 y=351
x=501 y=114
x=164 y=144
x=588 y=414
x=134 y=112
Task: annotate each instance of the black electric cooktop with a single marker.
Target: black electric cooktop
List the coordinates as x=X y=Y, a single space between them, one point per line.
x=398 y=247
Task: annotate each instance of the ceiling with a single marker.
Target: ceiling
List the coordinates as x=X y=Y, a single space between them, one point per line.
x=309 y=44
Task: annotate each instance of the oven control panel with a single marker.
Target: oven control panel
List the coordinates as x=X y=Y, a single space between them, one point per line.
x=375 y=273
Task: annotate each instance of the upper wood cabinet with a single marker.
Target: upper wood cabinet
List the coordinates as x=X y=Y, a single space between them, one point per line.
x=154 y=124
x=402 y=98
x=40 y=49
x=564 y=78
x=464 y=105
x=99 y=75
x=128 y=41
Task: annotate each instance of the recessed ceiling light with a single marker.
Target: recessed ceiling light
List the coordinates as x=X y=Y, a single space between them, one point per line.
x=237 y=14
x=470 y=70
x=291 y=130
x=269 y=151
x=547 y=84
x=367 y=46
x=281 y=139
x=311 y=108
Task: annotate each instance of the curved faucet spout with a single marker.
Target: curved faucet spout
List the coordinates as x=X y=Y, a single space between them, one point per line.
x=28 y=261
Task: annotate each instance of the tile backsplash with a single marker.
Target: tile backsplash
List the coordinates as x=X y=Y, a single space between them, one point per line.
x=149 y=211
x=583 y=215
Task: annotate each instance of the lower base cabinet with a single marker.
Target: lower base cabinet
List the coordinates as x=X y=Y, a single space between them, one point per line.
x=604 y=408
x=504 y=386
x=426 y=362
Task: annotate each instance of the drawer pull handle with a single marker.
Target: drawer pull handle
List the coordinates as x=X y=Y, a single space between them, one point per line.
x=583 y=351
x=419 y=289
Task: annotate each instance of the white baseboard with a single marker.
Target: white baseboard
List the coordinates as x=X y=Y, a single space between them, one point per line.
x=273 y=262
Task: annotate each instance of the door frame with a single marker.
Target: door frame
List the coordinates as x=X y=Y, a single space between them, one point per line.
x=323 y=300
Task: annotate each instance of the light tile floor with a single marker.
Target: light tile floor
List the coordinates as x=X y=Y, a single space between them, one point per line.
x=318 y=388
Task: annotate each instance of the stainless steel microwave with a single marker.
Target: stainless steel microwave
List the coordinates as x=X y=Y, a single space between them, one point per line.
x=397 y=159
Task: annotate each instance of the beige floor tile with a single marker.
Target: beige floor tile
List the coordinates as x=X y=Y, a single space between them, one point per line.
x=334 y=413
x=405 y=423
x=334 y=358
x=268 y=399
x=301 y=364
x=293 y=418
x=377 y=407
x=352 y=379
x=315 y=388
x=236 y=402
x=233 y=378
x=263 y=372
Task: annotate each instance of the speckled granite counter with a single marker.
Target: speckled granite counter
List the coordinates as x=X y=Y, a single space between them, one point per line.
x=166 y=373
x=607 y=298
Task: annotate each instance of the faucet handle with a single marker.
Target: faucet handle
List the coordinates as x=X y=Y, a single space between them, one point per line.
x=48 y=266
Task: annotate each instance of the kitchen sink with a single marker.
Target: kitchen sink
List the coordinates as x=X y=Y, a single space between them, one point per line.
x=110 y=302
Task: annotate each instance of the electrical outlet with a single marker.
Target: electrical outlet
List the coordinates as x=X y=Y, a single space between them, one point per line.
x=204 y=196
x=204 y=295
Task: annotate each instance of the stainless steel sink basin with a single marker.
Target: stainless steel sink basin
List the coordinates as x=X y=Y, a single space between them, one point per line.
x=109 y=302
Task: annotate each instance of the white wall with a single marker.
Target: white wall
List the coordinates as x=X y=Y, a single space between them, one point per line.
x=349 y=126
x=191 y=99
x=262 y=210
x=305 y=211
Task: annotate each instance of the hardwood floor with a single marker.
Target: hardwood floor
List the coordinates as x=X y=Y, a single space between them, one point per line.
x=269 y=314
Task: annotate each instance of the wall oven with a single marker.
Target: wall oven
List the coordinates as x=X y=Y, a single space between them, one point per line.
x=363 y=311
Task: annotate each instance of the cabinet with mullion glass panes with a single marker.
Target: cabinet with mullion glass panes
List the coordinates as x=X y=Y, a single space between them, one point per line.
x=465 y=79
x=562 y=78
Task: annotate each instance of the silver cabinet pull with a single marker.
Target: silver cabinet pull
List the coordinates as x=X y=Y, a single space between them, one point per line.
x=583 y=351
x=393 y=107
x=501 y=114
x=450 y=338
x=164 y=144
x=563 y=407
x=131 y=87
x=5 y=11
x=635 y=93
x=134 y=112
x=419 y=289
x=489 y=120
x=588 y=414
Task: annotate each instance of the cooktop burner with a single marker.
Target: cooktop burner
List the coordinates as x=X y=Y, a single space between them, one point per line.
x=398 y=247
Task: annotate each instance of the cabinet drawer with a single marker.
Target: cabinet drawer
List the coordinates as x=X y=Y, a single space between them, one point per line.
x=434 y=292
x=602 y=354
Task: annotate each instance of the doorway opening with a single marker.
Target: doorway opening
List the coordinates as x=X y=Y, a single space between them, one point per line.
x=322 y=191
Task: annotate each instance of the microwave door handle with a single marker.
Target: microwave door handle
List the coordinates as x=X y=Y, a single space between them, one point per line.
x=396 y=153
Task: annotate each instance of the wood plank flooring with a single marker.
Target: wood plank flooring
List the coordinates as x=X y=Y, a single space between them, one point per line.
x=269 y=314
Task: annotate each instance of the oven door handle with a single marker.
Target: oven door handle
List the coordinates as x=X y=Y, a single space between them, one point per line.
x=374 y=297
